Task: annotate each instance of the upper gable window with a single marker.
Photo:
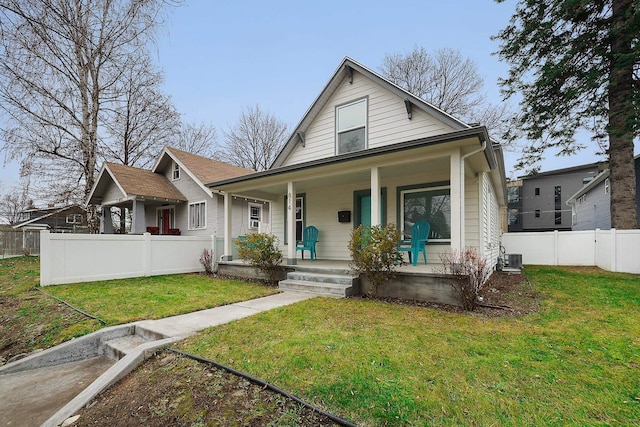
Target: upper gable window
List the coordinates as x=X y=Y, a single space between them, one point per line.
x=351 y=127
x=175 y=171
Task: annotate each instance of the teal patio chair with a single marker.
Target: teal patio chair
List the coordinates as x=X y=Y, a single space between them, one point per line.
x=309 y=239
x=419 y=237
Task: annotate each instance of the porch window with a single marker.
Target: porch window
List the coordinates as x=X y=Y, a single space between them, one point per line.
x=431 y=204
x=197 y=216
x=351 y=127
x=255 y=216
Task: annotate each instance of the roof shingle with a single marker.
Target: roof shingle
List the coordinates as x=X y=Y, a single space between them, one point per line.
x=142 y=182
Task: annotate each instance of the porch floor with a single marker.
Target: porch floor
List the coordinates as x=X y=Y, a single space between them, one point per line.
x=331 y=264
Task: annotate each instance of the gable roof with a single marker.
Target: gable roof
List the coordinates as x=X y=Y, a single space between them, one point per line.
x=51 y=212
x=585 y=189
x=201 y=169
x=134 y=182
x=346 y=68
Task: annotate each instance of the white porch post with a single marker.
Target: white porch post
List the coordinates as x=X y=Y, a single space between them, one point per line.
x=291 y=223
x=457 y=201
x=228 y=242
x=138 y=222
x=375 y=197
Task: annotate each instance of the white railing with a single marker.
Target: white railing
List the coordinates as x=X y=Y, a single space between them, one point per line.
x=612 y=250
x=71 y=258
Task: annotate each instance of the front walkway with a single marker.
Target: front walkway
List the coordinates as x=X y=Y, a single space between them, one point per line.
x=37 y=391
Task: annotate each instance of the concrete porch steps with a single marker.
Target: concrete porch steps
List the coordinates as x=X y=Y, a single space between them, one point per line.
x=330 y=283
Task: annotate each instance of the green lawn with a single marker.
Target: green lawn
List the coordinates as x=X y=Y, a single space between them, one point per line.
x=128 y=300
x=30 y=319
x=576 y=362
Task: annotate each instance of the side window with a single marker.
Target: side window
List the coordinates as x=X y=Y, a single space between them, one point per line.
x=175 y=171
x=351 y=127
x=197 y=216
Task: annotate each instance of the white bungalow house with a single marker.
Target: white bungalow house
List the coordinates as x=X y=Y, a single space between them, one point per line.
x=370 y=152
x=171 y=198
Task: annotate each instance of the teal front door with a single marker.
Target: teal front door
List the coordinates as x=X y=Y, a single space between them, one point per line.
x=362 y=207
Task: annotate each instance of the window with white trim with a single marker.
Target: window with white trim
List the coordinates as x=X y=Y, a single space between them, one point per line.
x=431 y=204
x=197 y=216
x=255 y=216
x=351 y=127
x=74 y=219
x=175 y=171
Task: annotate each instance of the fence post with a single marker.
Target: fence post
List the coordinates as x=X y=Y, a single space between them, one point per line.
x=146 y=254
x=45 y=258
x=614 y=244
x=556 y=255
x=596 y=245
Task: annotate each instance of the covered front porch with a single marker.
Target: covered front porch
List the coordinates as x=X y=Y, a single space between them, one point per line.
x=402 y=184
x=141 y=215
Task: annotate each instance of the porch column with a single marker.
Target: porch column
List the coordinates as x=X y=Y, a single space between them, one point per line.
x=106 y=223
x=457 y=201
x=375 y=197
x=291 y=223
x=228 y=242
x=138 y=223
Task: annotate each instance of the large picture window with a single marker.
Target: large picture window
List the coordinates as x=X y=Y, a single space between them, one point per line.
x=431 y=204
x=351 y=127
x=197 y=216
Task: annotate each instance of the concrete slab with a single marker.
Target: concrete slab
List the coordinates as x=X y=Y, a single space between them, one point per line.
x=29 y=398
x=46 y=395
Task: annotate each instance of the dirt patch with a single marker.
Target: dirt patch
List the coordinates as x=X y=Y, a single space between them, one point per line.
x=504 y=294
x=172 y=390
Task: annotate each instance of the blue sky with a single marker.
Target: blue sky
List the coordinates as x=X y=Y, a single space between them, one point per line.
x=219 y=57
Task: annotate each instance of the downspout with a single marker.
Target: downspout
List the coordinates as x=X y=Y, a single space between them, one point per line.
x=462 y=207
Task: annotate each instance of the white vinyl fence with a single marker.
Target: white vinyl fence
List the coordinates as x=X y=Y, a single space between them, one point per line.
x=71 y=258
x=612 y=250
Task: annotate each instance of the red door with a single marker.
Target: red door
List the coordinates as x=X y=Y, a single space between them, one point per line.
x=166 y=221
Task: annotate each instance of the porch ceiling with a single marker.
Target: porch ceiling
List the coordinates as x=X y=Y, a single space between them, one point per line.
x=410 y=162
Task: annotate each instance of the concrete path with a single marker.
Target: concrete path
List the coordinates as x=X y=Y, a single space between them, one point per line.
x=48 y=395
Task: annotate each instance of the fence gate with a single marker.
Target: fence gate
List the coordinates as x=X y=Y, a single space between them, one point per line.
x=20 y=242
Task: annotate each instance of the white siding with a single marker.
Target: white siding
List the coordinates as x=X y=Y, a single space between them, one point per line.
x=387 y=121
x=472 y=211
x=112 y=194
x=489 y=246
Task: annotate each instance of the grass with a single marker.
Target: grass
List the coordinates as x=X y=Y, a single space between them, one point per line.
x=31 y=319
x=128 y=300
x=576 y=362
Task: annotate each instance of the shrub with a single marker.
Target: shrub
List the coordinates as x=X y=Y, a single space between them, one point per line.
x=374 y=252
x=206 y=259
x=470 y=271
x=261 y=251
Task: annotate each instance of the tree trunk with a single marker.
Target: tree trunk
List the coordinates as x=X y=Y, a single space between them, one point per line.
x=621 y=162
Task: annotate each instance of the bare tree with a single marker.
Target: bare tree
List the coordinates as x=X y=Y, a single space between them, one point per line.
x=447 y=81
x=141 y=120
x=198 y=139
x=13 y=203
x=60 y=65
x=255 y=141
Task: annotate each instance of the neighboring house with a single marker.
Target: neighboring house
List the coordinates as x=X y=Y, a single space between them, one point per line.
x=591 y=205
x=172 y=198
x=538 y=202
x=57 y=219
x=365 y=143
